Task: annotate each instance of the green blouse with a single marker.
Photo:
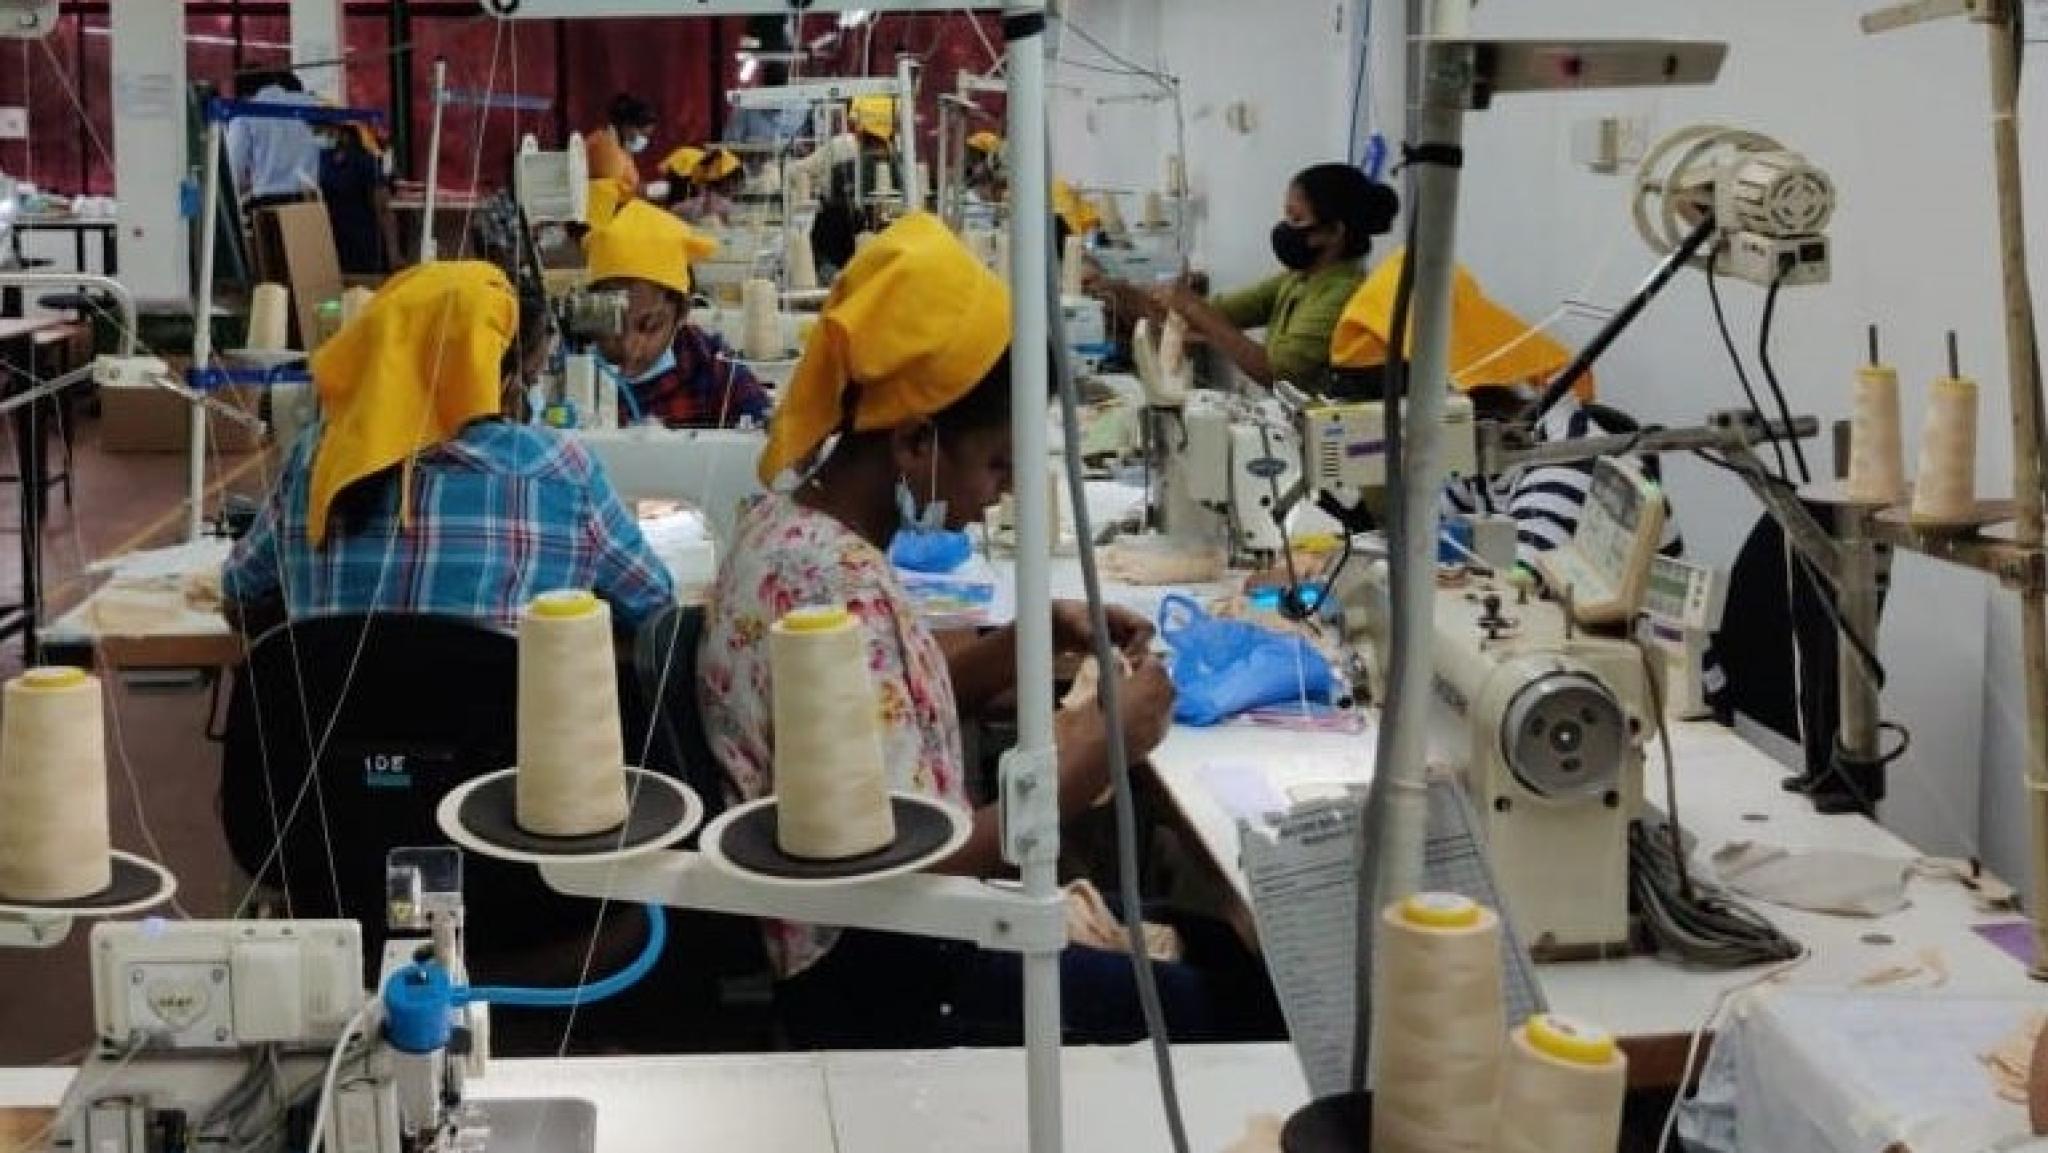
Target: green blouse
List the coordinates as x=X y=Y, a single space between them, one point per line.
x=1299 y=312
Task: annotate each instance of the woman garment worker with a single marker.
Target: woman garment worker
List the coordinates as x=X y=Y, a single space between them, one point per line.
x=666 y=368
x=1328 y=220
x=609 y=152
x=414 y=493
x=899 y=417
x=703 y=183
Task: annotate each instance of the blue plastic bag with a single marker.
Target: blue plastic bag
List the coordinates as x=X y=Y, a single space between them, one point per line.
x=1221 y=668
x=929 y=550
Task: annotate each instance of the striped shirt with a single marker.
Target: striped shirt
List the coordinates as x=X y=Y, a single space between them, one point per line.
x=500 y=514
x=1545 y=500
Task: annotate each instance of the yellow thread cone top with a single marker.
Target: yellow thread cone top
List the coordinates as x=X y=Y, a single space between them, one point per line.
x=53 y=677
x=564 y=603
x=816 y=618
x=1571 y=1041
x=1440 y=911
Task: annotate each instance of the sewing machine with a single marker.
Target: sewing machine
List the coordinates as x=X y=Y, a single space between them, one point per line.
x=1229 y=469
x=1548 y=730
x=216 y=1035
x=711 y=470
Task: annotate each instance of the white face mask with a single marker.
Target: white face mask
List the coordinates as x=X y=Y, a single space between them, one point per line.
x=636 y=143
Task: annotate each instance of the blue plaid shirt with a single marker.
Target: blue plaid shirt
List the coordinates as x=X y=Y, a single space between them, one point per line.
x=500 y=514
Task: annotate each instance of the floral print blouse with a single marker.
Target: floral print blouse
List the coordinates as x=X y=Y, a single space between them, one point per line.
x=785 y=556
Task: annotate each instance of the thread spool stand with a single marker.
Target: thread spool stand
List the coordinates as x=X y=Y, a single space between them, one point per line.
x=572 y=800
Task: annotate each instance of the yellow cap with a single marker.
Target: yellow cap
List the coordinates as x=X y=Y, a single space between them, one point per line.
x=52 y=677
x=412 y=370
x=875 y=116
x=816 y=619
x=1481 y=333
x=602 y=202
x=1440 y=911
x=1079 y=215
x=1569 y=1040
x=683 y=162
x=643 y=242
x=985 y=142
x=564 y=603
x=914 y=321
x=717 y=164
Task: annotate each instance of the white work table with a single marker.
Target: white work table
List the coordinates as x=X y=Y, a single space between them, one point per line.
x=1728 y=790
x=956 y=1101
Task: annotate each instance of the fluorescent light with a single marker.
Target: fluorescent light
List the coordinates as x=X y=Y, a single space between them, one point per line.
x=749 y=64
x=853 y=17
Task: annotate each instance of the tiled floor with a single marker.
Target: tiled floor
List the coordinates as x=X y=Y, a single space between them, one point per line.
x=169 y=769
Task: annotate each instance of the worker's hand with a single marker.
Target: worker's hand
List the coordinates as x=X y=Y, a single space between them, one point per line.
x=1073 y=632
x=1146 y=695
x=1178 y=296
x=1097 y=283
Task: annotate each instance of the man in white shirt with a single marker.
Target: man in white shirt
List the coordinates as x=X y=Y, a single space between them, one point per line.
x=275 y=161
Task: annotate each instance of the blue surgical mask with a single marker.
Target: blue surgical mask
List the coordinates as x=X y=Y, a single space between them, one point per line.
x=636 y=143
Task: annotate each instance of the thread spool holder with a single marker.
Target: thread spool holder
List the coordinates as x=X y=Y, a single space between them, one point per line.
x=138 y=886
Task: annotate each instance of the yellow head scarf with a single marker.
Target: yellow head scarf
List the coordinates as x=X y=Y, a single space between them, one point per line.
x=643 y=242
x=985 y=142
x=683 y=162
x=420 y=362
x=912 y=325
x=1481 y=334
x=717 y=164
x=1068 y=205
x=874 y=115
x=603 y=200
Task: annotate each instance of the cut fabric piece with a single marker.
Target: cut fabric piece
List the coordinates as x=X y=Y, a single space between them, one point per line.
x=1817 y=880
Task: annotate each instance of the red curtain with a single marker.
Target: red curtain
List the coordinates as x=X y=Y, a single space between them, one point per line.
x=681 y=65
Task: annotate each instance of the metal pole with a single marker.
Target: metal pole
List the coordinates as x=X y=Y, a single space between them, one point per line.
x=1402 y=763
x=906 y=128
x=1024 y=30
x=427 y=247
x=1856 y=600
x=202 y=329
x=2023 y=378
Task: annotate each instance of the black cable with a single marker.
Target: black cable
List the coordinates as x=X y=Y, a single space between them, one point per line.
x=1763 y=357
x=1735 y=358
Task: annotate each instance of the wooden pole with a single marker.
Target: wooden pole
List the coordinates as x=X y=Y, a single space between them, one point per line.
x=2023 y=377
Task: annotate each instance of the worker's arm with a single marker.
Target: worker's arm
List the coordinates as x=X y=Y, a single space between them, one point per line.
x=1081 y=739
x=1222 y=323
x=387 y=226
x=985 y=668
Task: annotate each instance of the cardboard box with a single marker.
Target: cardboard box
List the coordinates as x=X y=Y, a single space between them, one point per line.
x=143 y=418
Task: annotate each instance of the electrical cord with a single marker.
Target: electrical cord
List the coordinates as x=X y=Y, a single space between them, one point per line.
x=1763 y=357
x=1735 y=357
x=362 y=1023
x=1694 y=921
x=1110 y=695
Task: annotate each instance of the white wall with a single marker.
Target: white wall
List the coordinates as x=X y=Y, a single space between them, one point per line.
x=1287 y=60
x=149 y=148
x=1900 y=123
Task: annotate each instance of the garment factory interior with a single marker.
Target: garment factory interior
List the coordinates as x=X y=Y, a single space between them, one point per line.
x=1431 y=576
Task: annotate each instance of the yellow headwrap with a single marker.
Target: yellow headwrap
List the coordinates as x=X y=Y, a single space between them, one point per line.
x=985 y=142
x=1481 y=332
x=603 y=200
x=912 y=325
x=683 y=162
x=643 y=242
x=717 y=164
x=1068 y=205
x=419 y=363
x=874 y=115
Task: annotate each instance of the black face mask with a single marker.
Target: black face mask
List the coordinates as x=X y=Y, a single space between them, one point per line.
x=1291 y=246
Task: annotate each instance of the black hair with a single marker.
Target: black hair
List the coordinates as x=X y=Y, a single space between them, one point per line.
x=288 y=80
x=1341 y=194
x=531 y=330
x=987 y=404
x=629 y=111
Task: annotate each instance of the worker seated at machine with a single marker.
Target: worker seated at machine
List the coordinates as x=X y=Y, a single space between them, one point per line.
x=986 y=178
x=415 y=494
x=609 y=151
x=667 y=369
x=1330 y=216
x=898 y=420
x=703 y=184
